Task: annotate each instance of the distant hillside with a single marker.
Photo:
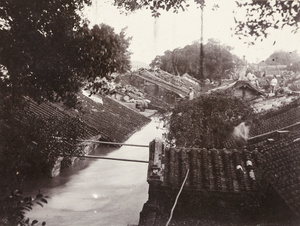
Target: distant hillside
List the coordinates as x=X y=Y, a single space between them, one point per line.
x=138 y=64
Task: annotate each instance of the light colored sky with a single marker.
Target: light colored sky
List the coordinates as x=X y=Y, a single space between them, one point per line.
x=151 y=37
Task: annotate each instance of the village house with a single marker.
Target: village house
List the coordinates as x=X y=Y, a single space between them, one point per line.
x=258 y=183
x=241 y=88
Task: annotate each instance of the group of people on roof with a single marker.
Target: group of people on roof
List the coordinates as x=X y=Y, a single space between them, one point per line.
x=274 y=84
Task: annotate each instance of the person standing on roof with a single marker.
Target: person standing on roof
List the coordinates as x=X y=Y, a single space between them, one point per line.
x=191 y=93
x=273 y=84
x=253 y=79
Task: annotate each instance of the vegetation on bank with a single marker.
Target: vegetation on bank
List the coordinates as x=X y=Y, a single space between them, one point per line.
x=207 y=121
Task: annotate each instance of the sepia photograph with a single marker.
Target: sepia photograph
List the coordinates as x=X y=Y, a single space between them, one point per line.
x=149 y=112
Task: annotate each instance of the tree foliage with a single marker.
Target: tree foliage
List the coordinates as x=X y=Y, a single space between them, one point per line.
x=102 y=52
x=15 y=206
x=283 y=58
x=260 y=16
x=206 y=121
x=36 y=47
x=218 y=60
x=48 y=52
x=155 y=6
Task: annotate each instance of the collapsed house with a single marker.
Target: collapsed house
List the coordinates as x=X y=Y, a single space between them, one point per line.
x=255 y=184
x=161 y=88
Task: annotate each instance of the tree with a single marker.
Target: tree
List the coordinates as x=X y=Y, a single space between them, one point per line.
x=49 y=54
x=37 y=50
x=14 y=207
x=154 y=6
x=102 y=52
x=46 y=54
x=258 y=18
x=261 y=16
x=218 y=61
x=206 y=121
x=295 y=67
x=283 y=58
x=156 y=63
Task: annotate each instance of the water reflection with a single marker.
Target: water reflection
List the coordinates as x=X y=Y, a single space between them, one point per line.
x=99 y=192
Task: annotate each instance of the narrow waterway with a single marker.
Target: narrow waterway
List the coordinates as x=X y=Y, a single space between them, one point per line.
x=99 y=192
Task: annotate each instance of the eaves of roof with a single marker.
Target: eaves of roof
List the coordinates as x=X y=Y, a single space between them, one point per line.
x=222 y=170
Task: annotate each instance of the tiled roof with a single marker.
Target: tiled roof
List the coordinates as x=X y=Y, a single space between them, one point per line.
x=283 y=172
x=148 y=76
x=241 y=83
x=49 y=110
x=219 y=182
x=210 y=170
x=276 y=136
x=281 y=150
x=273 y=149
x=277 y=119
x=111 y=120
x=267 y=141
x=236 y=85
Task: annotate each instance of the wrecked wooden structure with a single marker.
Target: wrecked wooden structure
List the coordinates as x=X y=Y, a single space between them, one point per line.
x=160 y=87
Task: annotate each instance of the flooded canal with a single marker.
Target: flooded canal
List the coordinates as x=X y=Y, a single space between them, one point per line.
x=99 y=192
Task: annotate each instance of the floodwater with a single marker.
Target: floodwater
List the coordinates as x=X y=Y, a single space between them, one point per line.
x=99 y=192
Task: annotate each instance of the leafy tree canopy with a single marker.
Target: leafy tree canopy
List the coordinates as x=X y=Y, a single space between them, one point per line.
x=283 y=58
x=48 y=52
x=218 y=60
x=36 y=47
x=155 y=6
x=259 y=15
x=206 y=121
x=102 y=52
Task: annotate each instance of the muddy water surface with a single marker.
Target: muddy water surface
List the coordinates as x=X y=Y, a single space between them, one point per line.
x=99 y=192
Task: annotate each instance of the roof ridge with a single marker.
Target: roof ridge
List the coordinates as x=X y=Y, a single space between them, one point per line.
x=273 y=131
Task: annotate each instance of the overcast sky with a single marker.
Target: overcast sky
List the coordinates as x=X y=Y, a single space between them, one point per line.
x=151 y=37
